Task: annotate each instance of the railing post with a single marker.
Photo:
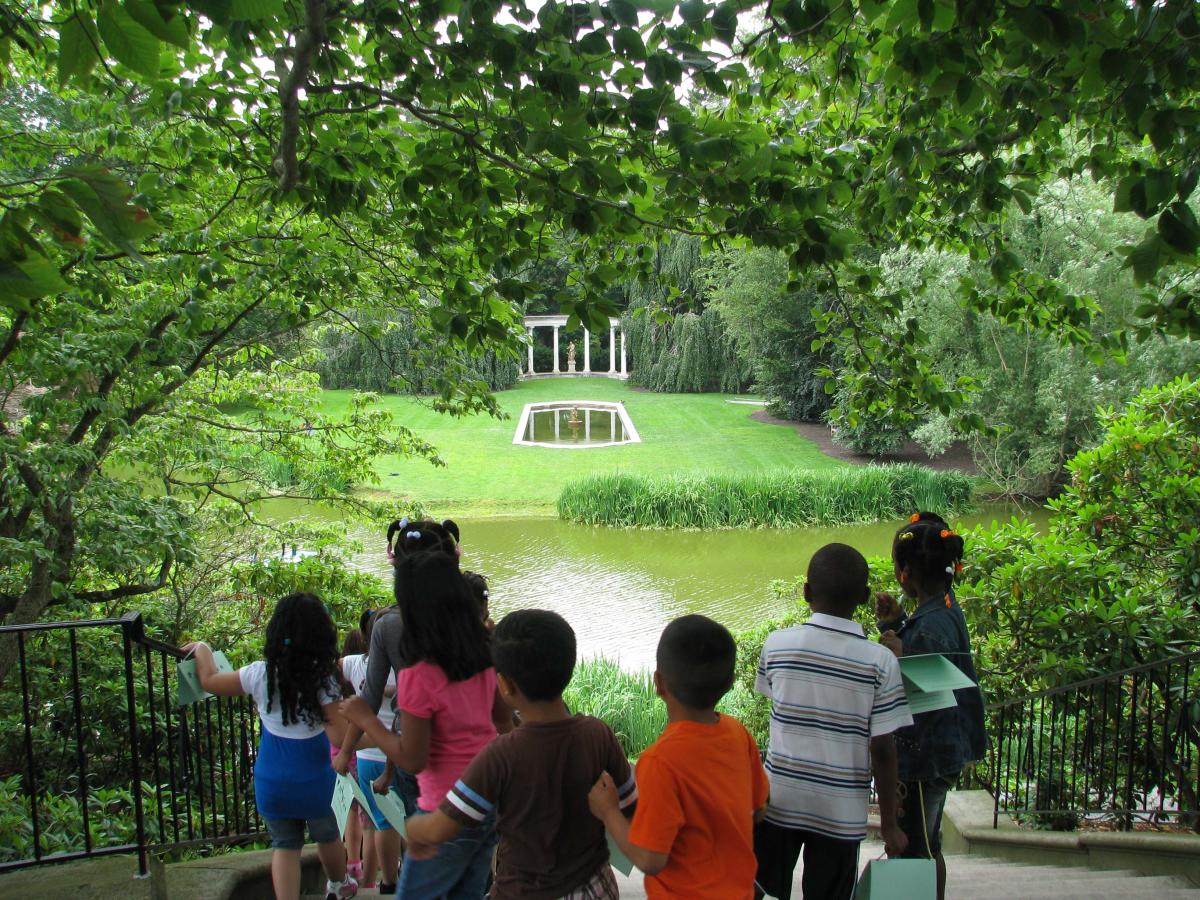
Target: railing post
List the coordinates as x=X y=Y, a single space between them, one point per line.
x=131 y=629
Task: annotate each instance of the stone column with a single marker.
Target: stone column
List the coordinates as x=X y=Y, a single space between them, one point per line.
x=612 y=351
x=624 y=369
x=530 y=372
x=556 y=369
x=587 y=425
x=612 y=431
x=556 y=415
x=587 y=352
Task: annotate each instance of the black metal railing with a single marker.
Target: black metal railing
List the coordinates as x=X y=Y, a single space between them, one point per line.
x=100 y=759
x=1118 y=749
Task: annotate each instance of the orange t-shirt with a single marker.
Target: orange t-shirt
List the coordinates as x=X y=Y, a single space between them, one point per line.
x=698 y=787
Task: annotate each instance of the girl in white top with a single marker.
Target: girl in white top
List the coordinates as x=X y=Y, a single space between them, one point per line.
x=296 y=692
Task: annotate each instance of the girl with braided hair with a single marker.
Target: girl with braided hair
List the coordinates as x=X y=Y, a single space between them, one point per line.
x=939 y=744
x=295 y=688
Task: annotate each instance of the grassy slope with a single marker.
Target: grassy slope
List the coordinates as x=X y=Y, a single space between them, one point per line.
x=485 y=472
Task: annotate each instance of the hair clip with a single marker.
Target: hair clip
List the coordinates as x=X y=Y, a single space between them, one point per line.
x=485 y=594
x=413 y=535
x=906 y=535
x=949 y=570
x=946 y=532
x=914 y=518
x=402 y=524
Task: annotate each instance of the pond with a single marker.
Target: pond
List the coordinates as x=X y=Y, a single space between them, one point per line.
x=619 y=587
x=575 y=424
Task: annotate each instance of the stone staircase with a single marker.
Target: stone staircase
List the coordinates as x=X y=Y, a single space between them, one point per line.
x=981 y=878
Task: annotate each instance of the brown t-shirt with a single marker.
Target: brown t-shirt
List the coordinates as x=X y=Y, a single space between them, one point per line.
x=536 y=780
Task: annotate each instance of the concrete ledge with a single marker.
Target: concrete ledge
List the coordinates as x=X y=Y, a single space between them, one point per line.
x=230 y=876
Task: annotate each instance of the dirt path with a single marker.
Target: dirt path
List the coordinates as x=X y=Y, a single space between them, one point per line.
x=956 y=459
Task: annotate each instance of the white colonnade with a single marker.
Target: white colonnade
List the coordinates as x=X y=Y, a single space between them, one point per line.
x=560 y=322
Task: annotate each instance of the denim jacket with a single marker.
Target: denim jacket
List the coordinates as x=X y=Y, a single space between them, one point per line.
x=940 y=743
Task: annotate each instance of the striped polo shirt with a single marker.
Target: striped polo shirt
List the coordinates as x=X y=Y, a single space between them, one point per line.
x=831 y=691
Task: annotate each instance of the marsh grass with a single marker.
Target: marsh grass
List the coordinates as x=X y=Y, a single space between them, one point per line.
x=771 y=499
x=627 y=703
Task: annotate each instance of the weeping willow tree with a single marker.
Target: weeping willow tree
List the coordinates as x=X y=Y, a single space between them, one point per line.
x=395 y=354
x=678 y=343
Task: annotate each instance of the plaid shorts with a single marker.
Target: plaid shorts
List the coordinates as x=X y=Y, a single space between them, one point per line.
x=601 y=886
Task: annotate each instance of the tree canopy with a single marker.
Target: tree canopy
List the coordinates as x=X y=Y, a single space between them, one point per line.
x=184 y=185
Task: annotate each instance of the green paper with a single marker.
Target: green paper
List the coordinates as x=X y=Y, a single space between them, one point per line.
x=188 y=690
x=923 y=702
x=345 y=792
x=617 y=858
x=392 y=808
x=897 y=879
x=930 y=672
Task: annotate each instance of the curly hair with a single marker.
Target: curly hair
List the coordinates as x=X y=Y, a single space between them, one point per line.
x=442 y=624
x=930 y=550
x=301 y=653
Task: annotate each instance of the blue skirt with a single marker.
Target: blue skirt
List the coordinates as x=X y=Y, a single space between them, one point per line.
x=293 y=778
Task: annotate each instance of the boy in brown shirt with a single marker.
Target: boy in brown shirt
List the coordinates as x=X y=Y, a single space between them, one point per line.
x=536 y=778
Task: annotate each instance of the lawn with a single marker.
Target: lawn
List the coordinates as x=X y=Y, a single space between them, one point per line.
x=486 y=473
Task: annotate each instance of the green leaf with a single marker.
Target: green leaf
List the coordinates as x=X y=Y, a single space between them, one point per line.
x=694 y=12
x=128 y=42
x=104 y=198
x=1179 y=230
x=255 y=10
x=628 y=43
x=1145 y=260
x=724 y=22
x=28 y=279
x=173 y=30
x=624 y=12
x=77 y=46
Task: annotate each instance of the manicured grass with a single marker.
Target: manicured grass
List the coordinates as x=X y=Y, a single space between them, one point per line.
x=486 y=473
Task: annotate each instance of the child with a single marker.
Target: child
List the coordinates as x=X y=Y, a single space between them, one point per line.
x=537 y=778
x=479 y=590
x=384 y=658
x=835 y=698
x=700 y=784
x=934 y=750
x=296 y=692
x=384 y=850
x=360 y=830
x=449 y=710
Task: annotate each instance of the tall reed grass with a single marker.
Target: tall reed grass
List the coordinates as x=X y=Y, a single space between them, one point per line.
x=776 y=499
x=627 y=703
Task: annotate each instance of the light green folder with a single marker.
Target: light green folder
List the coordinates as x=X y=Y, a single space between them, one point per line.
x=188 y=690
x=897 y=879
x=930 y=681
x=617 y=858
x=392 y=808
x=345 y=792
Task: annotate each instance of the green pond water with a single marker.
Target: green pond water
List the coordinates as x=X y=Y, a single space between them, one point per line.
x=619 y=587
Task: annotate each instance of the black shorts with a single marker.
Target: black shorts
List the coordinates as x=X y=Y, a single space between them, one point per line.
x=830 y=865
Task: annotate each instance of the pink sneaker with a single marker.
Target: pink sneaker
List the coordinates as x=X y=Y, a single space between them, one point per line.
x=355 y=870
x=341 y=890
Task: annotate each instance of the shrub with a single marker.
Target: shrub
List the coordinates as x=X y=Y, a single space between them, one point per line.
x=770 y=499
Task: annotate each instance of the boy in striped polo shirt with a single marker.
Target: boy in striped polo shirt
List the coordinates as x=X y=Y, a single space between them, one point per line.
x=836 y=699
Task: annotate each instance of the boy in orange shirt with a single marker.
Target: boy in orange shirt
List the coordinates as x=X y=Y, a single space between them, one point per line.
x=700 y=785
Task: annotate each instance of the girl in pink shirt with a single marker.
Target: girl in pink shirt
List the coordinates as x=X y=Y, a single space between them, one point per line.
x=449 y=710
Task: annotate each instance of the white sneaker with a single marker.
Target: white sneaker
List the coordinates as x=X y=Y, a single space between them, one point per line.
x=341 y=890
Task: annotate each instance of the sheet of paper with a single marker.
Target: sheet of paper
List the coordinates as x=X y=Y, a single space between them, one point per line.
x=617 y=858
x=188 y=690
x=344 y=790
x=928 y=701
x=392 y=808
x=933 y=672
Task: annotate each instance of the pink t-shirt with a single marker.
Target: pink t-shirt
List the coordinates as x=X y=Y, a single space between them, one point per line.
x=462 y=722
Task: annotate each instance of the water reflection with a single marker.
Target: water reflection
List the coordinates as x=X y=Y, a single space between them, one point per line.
x=619 y=587
x=574 y=425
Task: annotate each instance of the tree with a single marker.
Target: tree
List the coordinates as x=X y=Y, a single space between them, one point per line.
x=239 y=168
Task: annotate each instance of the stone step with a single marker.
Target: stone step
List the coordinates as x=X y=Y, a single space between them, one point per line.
x=982 y=878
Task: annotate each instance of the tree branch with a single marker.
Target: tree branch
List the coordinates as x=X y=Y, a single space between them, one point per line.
x=308 y=42
x=129 y=590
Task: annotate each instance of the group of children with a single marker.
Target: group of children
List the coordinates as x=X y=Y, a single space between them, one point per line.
x=509 y=795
